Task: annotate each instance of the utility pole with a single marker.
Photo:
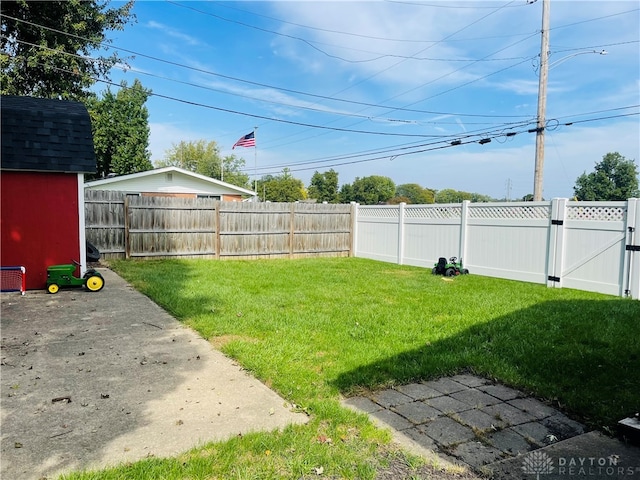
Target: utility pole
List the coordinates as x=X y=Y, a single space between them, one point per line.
x=542 y=103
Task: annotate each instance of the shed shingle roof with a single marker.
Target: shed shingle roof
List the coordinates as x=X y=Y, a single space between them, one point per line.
x=40 y=134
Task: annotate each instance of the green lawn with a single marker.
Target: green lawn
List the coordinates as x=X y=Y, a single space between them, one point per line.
x=315 y=329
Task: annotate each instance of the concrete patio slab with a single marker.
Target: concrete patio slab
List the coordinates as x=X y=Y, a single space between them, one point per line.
x=90 y=380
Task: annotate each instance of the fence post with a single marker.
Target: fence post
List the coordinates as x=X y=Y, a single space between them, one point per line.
x=292 y=222
x=464 y=218
x=216 y=226
x=631 y=268
x=401 y=233
x=127 y=226
x=354 y=229
x=555 y=249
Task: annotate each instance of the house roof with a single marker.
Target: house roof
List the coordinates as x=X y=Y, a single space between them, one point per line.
x=156 y=181
x=41 y=134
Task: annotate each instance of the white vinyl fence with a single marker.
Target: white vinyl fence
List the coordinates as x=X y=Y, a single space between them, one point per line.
x=590 y=246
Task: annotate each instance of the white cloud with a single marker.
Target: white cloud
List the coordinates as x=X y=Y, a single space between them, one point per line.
x=174 y=33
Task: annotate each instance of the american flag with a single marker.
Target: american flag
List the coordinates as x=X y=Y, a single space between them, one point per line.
x=248 y=140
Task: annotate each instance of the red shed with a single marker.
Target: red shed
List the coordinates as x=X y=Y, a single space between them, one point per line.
x=47 y=147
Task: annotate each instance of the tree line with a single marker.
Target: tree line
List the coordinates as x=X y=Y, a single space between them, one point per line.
x=33 y=31
x=615 y=178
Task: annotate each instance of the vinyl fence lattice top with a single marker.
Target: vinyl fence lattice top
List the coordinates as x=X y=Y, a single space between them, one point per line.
x=510 y=212
x=603 y=214
x=378 y=212
x=440 y=212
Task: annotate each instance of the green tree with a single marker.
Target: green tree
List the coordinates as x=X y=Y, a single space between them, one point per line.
x=449 y=195
x=399 y=199
x=45 y=45
x=120 y=125
x=346 y=193
x=415 y=194
x=478 y=198
x=281 y=188
x=203 y=157
x=324 y=186
x=371 y=190
x=614 y=178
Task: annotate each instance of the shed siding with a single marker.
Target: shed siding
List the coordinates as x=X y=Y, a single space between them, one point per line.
x=166 y=182
x=39 y=223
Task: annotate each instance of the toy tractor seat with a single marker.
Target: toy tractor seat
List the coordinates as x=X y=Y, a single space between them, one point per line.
x=441 y=267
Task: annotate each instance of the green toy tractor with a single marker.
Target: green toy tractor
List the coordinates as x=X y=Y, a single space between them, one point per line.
x=449 y=268
x=63 y=276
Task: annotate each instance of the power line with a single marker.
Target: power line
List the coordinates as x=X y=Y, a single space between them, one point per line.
x=601 y=118
x=460 y=86
x=446 y=142
x=460 y=140
x=475 y=5
x=203 y=87
x=310 y=125
x=599 y=111
x=450 y=73
x=594 y=19
x=263 y=117
x=312 y=44
x=393 y=151
x=427 y=48
x=471 y=81
x=421 y=51
x=338 y=162
x=263 y=85
x=339 y=32
x=336 y=99
x=593 y=47
x=482 y=140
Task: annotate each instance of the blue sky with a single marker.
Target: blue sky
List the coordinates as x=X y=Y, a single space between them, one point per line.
x=384 y=87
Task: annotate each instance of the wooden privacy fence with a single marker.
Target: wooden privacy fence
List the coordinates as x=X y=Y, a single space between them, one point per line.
x=131 y=226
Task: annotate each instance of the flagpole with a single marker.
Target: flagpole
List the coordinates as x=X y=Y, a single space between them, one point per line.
x=255 y=162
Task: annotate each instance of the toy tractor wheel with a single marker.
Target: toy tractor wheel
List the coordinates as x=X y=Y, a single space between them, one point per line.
x=94 y=283
x=53 y=288
x=450 y=272
x=465 y=271
x=434 y=271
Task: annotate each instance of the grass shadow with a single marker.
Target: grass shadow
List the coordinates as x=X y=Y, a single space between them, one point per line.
x=568 y=352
